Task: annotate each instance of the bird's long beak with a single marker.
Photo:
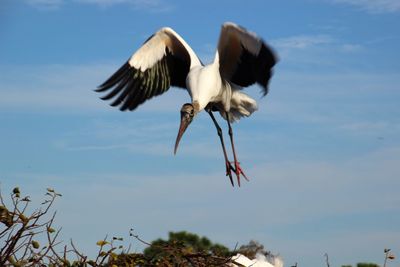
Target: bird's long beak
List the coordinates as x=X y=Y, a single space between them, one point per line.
x=185 y=121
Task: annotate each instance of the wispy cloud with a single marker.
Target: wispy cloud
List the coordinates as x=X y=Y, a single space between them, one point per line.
x=359 y=174
x=45 y=4
x=140 y=135
x=351 y=47
x=281 y=196
x=68 y=88
x=319 y=41
x=302 y=41
x=372 y=128
x=314 y=49
x=373 y=6
x=52 y=87
x=149 y=5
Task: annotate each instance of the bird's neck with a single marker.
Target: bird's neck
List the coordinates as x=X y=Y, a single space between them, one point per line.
x=196 y=106
x=216 y=59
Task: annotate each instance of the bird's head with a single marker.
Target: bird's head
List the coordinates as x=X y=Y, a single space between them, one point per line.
x=187 y=114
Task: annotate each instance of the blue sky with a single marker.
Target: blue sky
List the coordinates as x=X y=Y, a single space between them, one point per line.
x=322 y=151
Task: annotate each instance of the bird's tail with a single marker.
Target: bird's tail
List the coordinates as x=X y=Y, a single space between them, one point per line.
x=241 y=105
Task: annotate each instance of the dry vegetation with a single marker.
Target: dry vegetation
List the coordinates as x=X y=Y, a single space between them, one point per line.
x=29 y=238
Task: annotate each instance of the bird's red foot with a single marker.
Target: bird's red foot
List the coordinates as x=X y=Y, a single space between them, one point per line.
x=239 y=171
x=229 y=170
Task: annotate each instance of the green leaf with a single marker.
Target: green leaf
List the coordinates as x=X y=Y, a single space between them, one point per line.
x=35 y=244
x=101 y=243
x=16 y=190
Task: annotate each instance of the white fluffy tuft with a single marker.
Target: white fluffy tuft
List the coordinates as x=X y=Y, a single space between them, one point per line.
x=260 y=261
x=241 y=105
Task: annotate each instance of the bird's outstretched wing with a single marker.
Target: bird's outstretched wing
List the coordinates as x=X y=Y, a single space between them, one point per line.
x=244 y=58
x=164 y=60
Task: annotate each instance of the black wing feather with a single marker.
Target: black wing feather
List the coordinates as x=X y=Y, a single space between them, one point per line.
x=117 y=89
x=124 y=93
x=132 y=87
x=255 y=68
x=115 y=78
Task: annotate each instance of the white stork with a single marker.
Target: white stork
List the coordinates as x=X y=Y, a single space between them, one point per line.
x=165 y=60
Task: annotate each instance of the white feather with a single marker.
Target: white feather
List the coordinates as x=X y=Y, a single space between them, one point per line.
x=204 y=85
x=194 y=59
x=241 y=105
x=150 y=52
x=244 y=261
x=154 y=49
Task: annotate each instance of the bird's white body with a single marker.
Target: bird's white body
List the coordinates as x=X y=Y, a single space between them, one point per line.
x=205 y=85
x=260 y=261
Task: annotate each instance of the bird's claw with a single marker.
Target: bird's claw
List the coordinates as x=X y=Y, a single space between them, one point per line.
x=239 y=171
x=229 y=170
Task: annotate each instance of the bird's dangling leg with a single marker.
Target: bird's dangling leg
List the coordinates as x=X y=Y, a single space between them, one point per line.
x=238 y=169
x=228 y=165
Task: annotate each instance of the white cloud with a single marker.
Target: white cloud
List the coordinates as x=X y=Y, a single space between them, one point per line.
x=324 y=99
x=347 y=101
x=45 y=4
x=302 y=41
x=296 y=194
x=69 y=88
x=314 y=48
x=307 y=50
x=373 y=6
x=151 y=5
x=351 y=47
x=143 y=135
x=280 y=195
x=54 y=87
x=104 y=2
x=371 y=128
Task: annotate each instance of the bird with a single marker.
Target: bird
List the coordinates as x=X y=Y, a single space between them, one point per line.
x=165 y=60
